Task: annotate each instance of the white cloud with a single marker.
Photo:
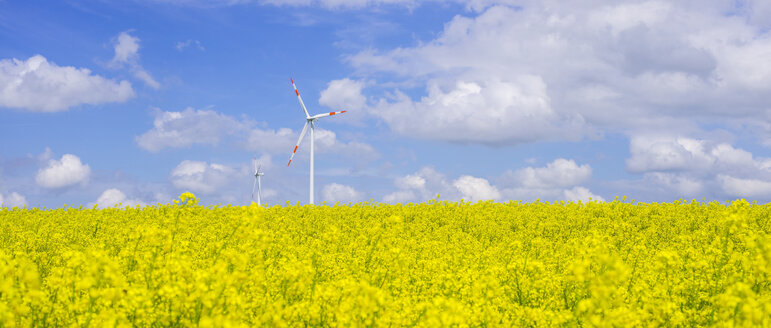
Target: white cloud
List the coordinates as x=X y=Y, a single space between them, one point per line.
x=202 y=177
x=559 y=173
x=343 y=94
x=145 y=77
x=64 y=172
x=327 y=142
x=126 y=49
x=649 y=154
x=187 y=128
x=207 y=127
x=690 y=167
x=476 y=189
x=112 y=197
x=489 y=112
x=682 y=185
x=559 y=179
x=283 y=140
x=23 y=82
x=580 y=193
x=745 y=187
x=550 y=70
x=12 y=200
x=46 y=155
x=400 y=196
x=274 y=141
x=335 y=192
x=182 y=45
x=661 y=153
x=421 y=186
x=411 y=181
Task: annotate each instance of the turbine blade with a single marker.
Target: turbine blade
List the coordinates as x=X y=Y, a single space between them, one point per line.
x=254 y=161
x=302 y=134
x=300 y=99
x=328 y=114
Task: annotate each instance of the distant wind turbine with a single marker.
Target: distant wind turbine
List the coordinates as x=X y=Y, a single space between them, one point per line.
x=257 y=181
x=309 y=120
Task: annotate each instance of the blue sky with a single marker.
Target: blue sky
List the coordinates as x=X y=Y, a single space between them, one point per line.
x=138 y=101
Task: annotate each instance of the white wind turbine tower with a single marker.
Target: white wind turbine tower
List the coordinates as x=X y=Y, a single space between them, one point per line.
x=308 y=121
x=257 y=181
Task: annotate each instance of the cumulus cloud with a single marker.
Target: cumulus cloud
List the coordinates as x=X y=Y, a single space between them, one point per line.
x=580 y=194
x=329 y=143
x=421 y=186
x=202 y=177
x=64 y=172
x=335 y=192
x=489 y=112
x=344 y=94
x=272 y=140
x=411 y=181
x=126 y=49
x=558 y=180
x=112 y=197
x=738 y=187
x=691 y=167
x=476 y=189
x=546 y=70
x=22 y=82
x=207 y=127
x=12 y=200
x=187 y=128
x=400 y=196
x=559 y=173
x=684 y=186
x=281 y=141
x=662 y=153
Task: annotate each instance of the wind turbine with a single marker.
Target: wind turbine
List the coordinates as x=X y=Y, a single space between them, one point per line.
x=257 y=181
x=309 y=120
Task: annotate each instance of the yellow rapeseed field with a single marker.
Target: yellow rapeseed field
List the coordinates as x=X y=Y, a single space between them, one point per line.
x=434 y=264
